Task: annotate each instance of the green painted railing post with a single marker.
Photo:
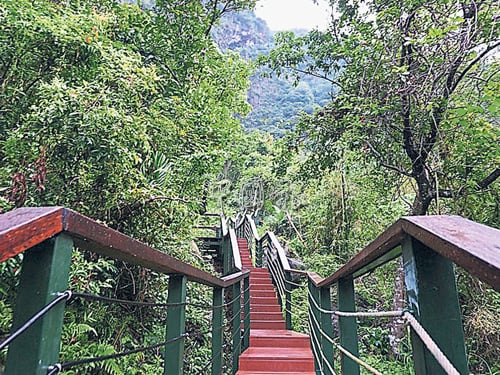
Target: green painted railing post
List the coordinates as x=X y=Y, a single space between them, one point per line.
x=45 y=271
x=348 y=326
x=288 y=302
x=228 y=255
x=236 y=325
x=432 y=297
x=314 y=317
x=246 y=296
x=176 y=325
x=258 y=255
x=327 y=328
x=217 y=332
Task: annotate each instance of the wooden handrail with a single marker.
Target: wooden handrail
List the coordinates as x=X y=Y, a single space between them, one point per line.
x=24 y=228
x=235 y=250
x=253 y=228
x=473 y=246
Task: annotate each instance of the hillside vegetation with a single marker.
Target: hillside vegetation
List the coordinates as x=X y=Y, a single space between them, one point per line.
x=144 y=118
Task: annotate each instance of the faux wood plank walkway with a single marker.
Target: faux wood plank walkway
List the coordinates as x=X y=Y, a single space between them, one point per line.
x=273 y=349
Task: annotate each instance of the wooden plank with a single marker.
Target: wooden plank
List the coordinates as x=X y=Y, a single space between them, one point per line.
x=387 y=241
x=23 y=228
x=473 y=246
x=92 y=236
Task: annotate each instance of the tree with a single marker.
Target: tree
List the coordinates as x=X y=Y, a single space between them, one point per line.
x=417 y=91
x=401 y=70
x=121 y=113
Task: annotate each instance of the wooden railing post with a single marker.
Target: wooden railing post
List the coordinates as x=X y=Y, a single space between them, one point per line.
x=227 y=255
x=246 y=312
x=432 y=298
x=348 y=326
x=236 y=325
x=45 y=271
x=217 y=330
x=176 y=324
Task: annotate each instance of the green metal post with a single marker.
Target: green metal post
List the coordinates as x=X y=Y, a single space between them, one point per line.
x=246 y=296
x=176 y=325
x=217 y=332
x=288 y=302
x=432 y=297
x=44 y=273
x=327 y=328
x=348 y=326
x=259 y=255
x=315 y=334
x=236 y=331
x=228 y=256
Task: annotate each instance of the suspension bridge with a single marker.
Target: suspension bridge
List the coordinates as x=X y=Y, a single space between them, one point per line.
x=252 y=301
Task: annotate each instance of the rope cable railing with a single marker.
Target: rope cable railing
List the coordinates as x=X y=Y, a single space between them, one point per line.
x=430 y=344
x=340 y=348
x=56 y=368
x=358 y=314
x=61 y=297
x=315 y=345
x=118 y=301
x=313 y=333
x=417 y=327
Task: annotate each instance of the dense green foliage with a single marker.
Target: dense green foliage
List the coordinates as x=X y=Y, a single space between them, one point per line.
x=413 y=128
x=132 y=116
x=417 y=90
x=122 y=114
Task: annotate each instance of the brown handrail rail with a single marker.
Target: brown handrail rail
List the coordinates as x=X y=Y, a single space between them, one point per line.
x=473 y=246
x=24 y=228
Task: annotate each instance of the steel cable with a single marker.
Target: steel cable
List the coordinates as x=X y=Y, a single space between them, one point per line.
x=56 y=368
x=61 y=296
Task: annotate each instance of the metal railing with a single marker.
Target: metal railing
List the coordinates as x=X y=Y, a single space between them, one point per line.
x=430 y=247
x=47 y=237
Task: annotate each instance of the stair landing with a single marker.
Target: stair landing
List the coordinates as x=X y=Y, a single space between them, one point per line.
x=273 y=349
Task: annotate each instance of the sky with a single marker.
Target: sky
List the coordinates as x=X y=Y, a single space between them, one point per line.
x=293 y=14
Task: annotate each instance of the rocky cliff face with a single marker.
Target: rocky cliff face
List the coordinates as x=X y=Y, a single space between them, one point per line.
x=276 y=102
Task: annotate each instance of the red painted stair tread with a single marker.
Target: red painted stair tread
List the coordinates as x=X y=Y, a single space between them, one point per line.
x=273 y=349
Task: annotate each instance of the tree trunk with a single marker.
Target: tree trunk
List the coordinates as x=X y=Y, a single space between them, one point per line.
x=420 y=206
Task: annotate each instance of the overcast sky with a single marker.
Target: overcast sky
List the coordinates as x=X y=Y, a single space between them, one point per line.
x=293 y=14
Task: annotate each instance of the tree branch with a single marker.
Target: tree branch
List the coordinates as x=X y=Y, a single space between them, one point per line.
x=484 y=183
x=472 y=63
x=317 y=75
x=384 y=164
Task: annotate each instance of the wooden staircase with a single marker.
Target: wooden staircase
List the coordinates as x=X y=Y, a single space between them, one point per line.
x=273 y=349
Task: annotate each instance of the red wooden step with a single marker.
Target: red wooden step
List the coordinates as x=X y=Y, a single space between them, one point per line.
x=261 y=281
x=275 y=338
x=265 y=308
x=266 y=315
x=277 y=359
x=263 y=301
x=264 y=271
x=267 y=324
x=264 y=286
x=262 y=293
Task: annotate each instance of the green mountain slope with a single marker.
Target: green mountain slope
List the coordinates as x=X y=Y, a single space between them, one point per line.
x=276 y=102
